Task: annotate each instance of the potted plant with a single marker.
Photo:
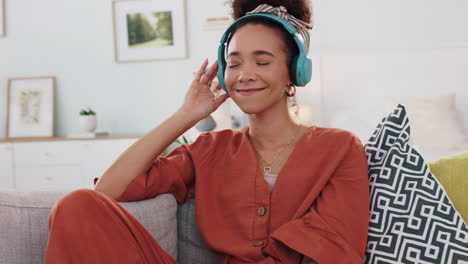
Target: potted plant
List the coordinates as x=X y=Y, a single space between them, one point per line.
x=178 y=142
x=88 y=120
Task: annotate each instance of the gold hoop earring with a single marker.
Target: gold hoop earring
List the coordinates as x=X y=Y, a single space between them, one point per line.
x=291 y=91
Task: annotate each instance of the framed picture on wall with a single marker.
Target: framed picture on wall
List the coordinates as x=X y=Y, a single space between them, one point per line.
x=2 y=18
x=147 y=30
x=30 y=107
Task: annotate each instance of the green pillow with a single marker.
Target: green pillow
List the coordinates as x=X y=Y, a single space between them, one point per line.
x=452 y=173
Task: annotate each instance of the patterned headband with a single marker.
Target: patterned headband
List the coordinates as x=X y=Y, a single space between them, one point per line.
x=281 y=11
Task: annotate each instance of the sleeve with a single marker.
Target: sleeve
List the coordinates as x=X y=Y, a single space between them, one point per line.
x=173 y=173
x=334 y=230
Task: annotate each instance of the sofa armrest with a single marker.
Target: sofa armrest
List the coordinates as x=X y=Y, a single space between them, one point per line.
x=24 y=222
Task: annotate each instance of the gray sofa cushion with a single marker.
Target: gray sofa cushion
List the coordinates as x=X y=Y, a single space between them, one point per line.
x=24 y=223
x=190 y=245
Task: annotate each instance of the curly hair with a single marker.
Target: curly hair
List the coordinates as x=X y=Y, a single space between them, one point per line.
x=301 y=9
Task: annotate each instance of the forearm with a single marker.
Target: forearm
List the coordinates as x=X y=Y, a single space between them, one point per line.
x=140 y=155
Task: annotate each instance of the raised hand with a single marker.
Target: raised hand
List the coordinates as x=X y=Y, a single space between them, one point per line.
x=201 y=98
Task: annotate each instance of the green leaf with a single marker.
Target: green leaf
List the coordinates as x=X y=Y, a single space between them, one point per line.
x=87 y=112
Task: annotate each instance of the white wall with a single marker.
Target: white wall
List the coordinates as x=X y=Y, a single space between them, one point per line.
x=73 y=41
x=370 y=24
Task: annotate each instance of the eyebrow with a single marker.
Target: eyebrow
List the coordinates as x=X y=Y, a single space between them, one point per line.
x=256 y=53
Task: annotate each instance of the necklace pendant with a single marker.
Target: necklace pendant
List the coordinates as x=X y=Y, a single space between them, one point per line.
x=267 y=169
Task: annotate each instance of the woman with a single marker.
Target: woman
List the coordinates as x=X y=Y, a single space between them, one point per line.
x=275 y=192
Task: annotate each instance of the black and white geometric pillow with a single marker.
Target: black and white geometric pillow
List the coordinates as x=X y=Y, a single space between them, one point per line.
x=411 y=218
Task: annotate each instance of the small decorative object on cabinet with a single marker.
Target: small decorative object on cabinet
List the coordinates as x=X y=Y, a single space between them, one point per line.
x=88 y=121
x=30 y=107
x=206 y=124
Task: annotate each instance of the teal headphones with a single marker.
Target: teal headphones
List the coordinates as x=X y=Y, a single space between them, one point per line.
x=301 y=65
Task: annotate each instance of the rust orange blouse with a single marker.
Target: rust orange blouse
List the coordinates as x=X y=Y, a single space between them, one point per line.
x=319 y=206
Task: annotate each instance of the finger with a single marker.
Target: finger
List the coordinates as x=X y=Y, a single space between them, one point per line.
x=201 y=70
x=210 y=74
x=217 y=90
x=214 y=73
x=215 y=86
x=221 y=99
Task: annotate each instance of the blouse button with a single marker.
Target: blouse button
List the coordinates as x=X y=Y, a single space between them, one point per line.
x=261 y=211
x=259 y=244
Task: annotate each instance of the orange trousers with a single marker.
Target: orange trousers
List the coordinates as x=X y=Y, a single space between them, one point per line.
x=86 y=226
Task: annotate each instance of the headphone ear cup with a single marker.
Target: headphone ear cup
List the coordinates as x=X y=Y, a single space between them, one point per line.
x=303 y=72
x=221 y=67
x=293 y=70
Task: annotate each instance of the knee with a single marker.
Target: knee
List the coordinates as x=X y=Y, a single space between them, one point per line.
x=77 y=201
x=78 y=198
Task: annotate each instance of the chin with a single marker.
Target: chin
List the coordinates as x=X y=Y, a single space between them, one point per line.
x=250 y=107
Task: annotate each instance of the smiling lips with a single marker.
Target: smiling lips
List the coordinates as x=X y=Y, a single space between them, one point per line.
x=249 y=91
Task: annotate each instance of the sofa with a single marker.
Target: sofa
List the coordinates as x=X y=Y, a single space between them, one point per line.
x=24 y=226
x=418 y=209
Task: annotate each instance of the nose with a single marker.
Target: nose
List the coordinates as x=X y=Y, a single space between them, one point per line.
x=246 y=76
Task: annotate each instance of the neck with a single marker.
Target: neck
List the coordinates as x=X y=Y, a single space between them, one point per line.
x=273 y=128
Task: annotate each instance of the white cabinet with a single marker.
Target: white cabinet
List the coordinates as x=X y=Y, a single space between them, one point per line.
x=58 y=164
x=47 y=165
x=6 y=166
x=99 y=155
x=48 y=178
x=29 y=154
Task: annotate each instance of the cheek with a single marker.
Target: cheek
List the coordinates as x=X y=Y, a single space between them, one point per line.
x=229 y=79
x=285 y=71
x=278 y=76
